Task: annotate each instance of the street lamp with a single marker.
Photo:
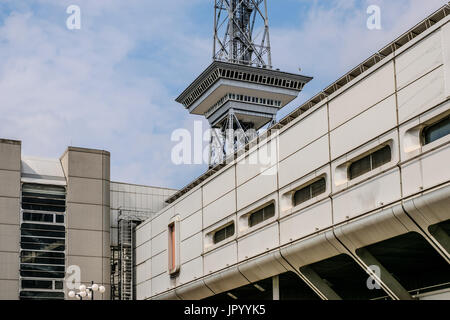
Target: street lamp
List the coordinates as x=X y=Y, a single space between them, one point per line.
x=87 y=291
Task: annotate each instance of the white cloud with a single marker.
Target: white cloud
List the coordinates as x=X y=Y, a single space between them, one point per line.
x=334 y=38
x=112 y=84
x=62 y=87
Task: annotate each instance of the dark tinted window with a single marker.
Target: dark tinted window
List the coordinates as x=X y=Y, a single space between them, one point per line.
x=370 y=162
x=42 y=274
x=27 y=295
x=381 y=157
x=309 y=192
x=224 y=233
x=43 y=198
x=262 y=215
x=43 y=260
x=38 y=267
x=436 y=131
x=33 y=226
x=37 y=284
x=42 y=233
x=37 y=246
x=29 y=216
x=39 y=254
x=59 y=218
x=42 y=242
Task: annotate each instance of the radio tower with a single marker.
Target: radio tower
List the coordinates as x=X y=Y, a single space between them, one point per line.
x=241 y=32
x=240 y=93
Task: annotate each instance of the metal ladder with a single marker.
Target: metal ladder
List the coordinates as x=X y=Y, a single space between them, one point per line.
x=123 y=275
x=126 y=259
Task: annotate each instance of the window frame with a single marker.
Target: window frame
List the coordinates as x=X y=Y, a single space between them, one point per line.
x=423 y=139
x=264 y=219
x=214 y=242
x=369 y=155
x=309 y=185
x=42 y=258
x=173 y=246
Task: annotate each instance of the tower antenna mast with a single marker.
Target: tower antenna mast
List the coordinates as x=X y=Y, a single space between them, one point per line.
x=240 y=93
x=241 y=32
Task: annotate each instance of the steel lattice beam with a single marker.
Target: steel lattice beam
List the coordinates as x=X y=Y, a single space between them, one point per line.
x=236 y=39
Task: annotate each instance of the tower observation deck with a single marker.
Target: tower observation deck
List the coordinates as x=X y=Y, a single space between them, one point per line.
x=240 y=92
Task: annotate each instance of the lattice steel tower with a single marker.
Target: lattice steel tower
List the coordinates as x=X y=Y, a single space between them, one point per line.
x=240 y=93
x=241 y=32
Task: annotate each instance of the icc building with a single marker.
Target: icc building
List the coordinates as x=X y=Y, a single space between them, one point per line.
x=353 y=204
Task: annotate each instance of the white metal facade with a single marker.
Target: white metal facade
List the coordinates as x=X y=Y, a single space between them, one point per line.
x=387 y=104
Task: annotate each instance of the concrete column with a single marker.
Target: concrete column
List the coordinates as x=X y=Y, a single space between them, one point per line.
x=10 y=157
x=386 y=278
x=88 y=214
x=276 y=287
x=441 y=236
x=319 y=284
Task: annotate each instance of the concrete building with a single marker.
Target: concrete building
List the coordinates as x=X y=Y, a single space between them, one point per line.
x=61 y=213
x=355 y=204
x=130 y=205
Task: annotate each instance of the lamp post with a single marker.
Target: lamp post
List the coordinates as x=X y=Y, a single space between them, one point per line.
x=87 y=291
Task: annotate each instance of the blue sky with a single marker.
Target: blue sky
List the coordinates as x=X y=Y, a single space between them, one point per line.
x=112 y=84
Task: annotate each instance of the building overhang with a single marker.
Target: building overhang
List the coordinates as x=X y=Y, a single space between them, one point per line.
x=221 y=78
x=244 y=112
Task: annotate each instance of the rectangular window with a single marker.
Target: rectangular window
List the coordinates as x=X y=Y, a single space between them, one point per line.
x=172 y=250
x=173 y=245
x=42 y=274
x=37 y=284
x=42 y=242
x=39 y=217
x=224 y=233
x=41 y=257
x=370 y=162
x=381 y=157
x=59 y=285
x=43 y=198
x=261 y=215
x=42 y=260
x=436 y=131
x=310 y=191
x=40 y=233
x=37 y=295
